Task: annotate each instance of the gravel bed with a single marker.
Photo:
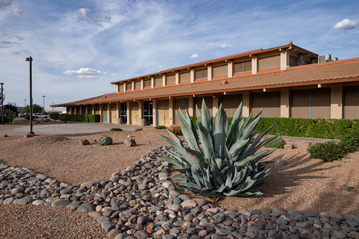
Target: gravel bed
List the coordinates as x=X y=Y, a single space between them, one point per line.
x=141 y=202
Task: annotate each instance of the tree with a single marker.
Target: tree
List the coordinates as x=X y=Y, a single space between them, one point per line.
x=35 y=109
x=12 y=107
x=54 y=115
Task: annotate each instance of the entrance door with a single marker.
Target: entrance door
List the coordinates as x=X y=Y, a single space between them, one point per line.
x=163 y=112
x=148 y=112
x=134 y=113
x=123 y=113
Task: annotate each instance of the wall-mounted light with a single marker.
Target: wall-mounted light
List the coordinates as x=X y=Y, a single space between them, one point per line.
x=264 y=90
x=319 y=85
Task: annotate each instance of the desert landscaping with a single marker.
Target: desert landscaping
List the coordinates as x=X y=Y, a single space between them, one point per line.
x=296 y=181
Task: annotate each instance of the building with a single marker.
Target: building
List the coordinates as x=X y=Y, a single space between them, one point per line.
x=286 y=81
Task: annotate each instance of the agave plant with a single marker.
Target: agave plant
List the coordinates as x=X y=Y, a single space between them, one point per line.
x=220 y=159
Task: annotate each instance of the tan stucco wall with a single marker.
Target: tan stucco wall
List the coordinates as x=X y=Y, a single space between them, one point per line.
x=336 y=101
x=284 y=103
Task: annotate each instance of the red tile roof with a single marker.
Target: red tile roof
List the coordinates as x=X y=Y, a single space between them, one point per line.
x=321 y=73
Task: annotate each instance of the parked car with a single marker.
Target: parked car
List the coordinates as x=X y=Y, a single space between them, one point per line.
x=40 y=116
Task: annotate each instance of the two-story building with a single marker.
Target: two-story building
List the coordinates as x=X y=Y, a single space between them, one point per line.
x=286 y=81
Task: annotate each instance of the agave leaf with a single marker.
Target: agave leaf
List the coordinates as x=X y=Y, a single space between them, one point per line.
x=175 y=162
x=233 y=128
x=198 y=156
x=220 y=163
x=206 y=118
x=220 y=132
x=178 y=147
x=198 y=114
x=206 y=139
x=256 y=145
x=189 y=134
x=251 y=127
x=233 y=151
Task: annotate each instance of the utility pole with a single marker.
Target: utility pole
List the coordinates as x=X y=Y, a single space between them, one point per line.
x=43 y=102
x=2 y=98
x=29 y=59
x=25 y=102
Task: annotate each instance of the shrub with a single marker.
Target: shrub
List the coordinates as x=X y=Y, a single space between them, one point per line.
x=54 y=115
x=27 y=117
x=278 y=143
x=350 y=141
x=138 y=129
x=219 y=160
x=116 y=129
x=160 y=127
x=64 y=117
x=105 y=140
x=327 y=151
x=175 y=129
x=5 y=135
x=93 y=118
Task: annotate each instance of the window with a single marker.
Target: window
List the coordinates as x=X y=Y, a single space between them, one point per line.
x=243 y=66
x=293 y=61
x=128 y=86
x=147 y=83
x=137 y=85
x=201 y=74
x=269 y=62
x=158 y=81
x=171 y=79
x=185 y=76
x=122 y=87
x=220 y=70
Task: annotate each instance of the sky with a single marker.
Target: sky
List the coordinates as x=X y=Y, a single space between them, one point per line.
x=78 y=47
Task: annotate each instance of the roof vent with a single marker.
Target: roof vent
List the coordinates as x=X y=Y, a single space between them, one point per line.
x=326 y=58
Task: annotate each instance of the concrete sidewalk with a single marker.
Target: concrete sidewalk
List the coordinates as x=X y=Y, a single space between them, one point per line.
x=66 y=128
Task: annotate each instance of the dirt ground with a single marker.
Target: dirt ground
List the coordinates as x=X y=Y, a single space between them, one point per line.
x=296 y=181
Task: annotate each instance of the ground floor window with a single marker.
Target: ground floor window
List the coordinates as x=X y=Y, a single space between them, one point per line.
x=123 y=112
x=148 y=112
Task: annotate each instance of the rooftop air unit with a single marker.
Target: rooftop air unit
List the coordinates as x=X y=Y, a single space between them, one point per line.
x=324 y=58
x=334 y=58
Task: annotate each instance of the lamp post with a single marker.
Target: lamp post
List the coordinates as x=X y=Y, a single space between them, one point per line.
x=43 y=102
x=2 y=98
x=29 y=59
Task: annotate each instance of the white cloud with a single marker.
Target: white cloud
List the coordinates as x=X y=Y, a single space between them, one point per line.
x=17 y=11
x=87 y=73
x=81 y=14
x=4 y=4
x=194 y=55
x=225 y=45
x=346 y=24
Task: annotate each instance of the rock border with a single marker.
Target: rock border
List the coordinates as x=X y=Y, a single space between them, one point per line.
x=142 y=202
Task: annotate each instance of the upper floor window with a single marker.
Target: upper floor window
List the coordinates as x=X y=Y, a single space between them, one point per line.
x=201 y=74
x=293 y=61
x=147 y=83
x=158 y=81
x=137 y=85
x=243 y=66
x=122 y=87
x=221 y=70
x=269 y=62
x=128 y=86
x=171 y=79
x=184 y=76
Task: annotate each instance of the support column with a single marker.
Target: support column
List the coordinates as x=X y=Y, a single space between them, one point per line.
x=133 y=85
x=230 y=69
x=190 y=106
x=154 y=113
x=177 y=78
x=215 y=105
x=246 y=104
x=86 y=110
x=209 y=72
x=192 y=75
x=109 y=117
x=118 y=105
x=93 y=109
x=128 y=113
x=142 y=82
x=152 y=82
x=283 y=60
x=170 y=110
x=255 y=65
x=163 y=80
x=336 y=101
x=118 y=88
x=284 y=103
x=140 y=109
x=101 y=113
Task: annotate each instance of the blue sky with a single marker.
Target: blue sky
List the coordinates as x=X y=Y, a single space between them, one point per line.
x=79 y=47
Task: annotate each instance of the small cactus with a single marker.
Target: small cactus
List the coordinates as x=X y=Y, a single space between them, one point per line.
x=105 y=140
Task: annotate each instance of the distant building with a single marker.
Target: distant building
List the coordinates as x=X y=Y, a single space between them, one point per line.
x=286 y=81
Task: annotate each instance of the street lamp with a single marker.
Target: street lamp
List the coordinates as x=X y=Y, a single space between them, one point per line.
x=29 y=59
x=43 y=102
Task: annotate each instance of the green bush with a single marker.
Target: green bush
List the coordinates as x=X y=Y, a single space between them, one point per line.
x=116 y=129
x=93 y=118
x=220 y=159
x=278 y=143
x=54 y=115
x=350 y=141
x=64 y=117
x=78 y=118
x=160 y=127
x=327 y=151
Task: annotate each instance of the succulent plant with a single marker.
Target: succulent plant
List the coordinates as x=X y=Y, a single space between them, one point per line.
x=220 y=159
x=105 y=140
